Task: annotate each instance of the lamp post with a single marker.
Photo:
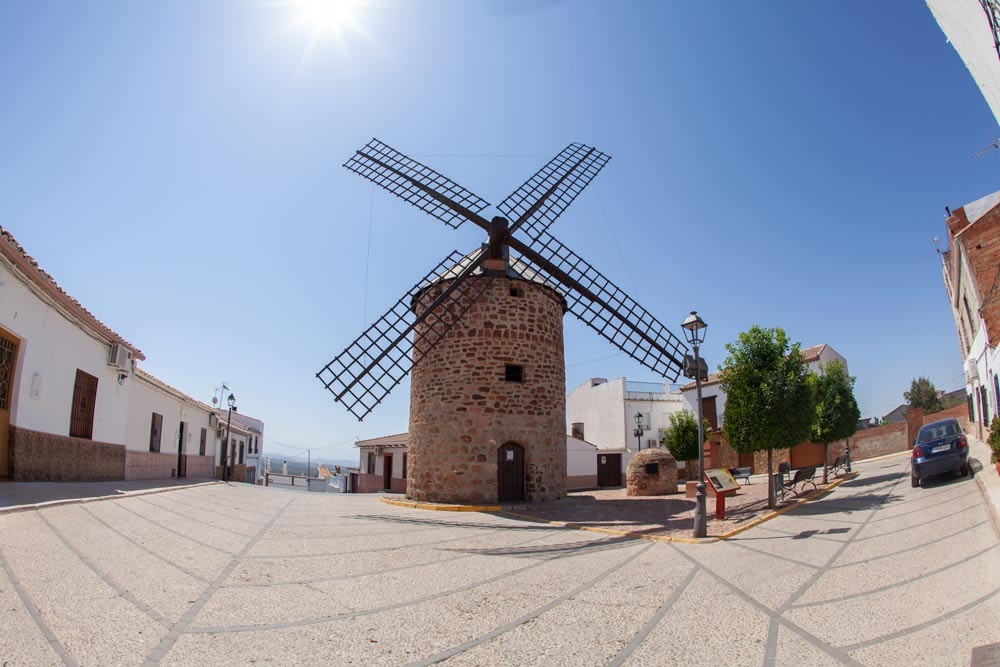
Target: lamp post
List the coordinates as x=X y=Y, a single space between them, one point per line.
x=226 y=463
x=694 y=330
x=638 y=430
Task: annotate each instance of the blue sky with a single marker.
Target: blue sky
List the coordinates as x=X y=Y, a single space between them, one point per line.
x=176 y=167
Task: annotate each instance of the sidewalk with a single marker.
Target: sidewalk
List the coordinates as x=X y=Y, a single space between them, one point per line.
x=15 y=496
x=987 y=478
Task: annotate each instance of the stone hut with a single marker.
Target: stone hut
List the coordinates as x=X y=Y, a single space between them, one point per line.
x=651 y=472
x=488 y=400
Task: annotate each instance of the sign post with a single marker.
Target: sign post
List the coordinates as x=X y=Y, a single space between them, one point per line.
x=724 y=484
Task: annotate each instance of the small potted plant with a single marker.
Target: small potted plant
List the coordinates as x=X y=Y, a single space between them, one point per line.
x=994 y=442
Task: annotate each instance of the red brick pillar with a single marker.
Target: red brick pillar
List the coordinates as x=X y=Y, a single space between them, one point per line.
x=914 y=420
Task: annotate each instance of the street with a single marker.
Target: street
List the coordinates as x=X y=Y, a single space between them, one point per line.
x=875 y=573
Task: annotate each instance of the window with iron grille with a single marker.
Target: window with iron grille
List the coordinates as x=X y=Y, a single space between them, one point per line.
x=155 y=430
x=241 y=454
x=404 y=466
x=81 y=419
x=7 y=350
x=371 y=463
x=201 y=442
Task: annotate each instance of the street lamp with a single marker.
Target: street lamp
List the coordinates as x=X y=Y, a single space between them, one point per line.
x=226 y=463
x=638 y=429
x=694 y=330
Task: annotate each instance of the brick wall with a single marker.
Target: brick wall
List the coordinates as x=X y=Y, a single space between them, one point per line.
x=370 y=483
x=44 y=457
x=462 y=410
x=160 y=465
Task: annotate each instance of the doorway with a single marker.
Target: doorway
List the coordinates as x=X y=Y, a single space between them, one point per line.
x=8 y=359
x=387 y=471
x=609 y=470
x=510 y=472
x=181 y=459
x=709 y=412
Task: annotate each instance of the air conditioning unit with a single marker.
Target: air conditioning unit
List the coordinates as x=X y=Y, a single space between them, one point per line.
x=653 y=442
x=213 y=421
x=120 y=357
x=220 y=433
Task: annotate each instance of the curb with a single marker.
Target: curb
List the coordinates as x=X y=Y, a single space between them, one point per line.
x=13 y=509
x=497 y=509
x=991 y=508
x=439 y=507
x=815 y=495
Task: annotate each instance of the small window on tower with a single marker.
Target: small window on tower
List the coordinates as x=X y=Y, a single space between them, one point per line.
x=514 y=373
x=516 y=291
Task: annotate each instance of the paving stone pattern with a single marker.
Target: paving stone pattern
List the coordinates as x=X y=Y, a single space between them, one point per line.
x=876 y=573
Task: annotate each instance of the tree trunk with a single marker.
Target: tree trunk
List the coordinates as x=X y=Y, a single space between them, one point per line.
x=826 y=460
x=770 y=481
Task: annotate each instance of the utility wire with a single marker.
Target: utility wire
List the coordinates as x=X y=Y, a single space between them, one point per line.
x=611 y=229
x=590 y=361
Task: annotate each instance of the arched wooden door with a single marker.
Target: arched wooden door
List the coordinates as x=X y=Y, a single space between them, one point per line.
x=510 y=472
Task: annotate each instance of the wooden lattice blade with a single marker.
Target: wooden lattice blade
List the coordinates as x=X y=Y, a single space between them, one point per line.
x=364 y=374
x=535 y=205
x=603 y=306
x=417 y=184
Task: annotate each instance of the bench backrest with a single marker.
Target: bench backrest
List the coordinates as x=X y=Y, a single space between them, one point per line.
x=804 y=474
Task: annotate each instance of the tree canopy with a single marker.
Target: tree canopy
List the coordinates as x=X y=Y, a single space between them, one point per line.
x=923 y=394
x=769 y=402
x=681 y=437
x=837 y=412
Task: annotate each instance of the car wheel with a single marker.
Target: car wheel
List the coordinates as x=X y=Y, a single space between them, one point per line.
x=914 y=481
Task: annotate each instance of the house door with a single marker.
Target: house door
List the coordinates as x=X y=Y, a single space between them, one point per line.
x=510 y=472
x=387 y=471
x=181 y=459
x=709 y=411
x=8 y=357
x=609 y=470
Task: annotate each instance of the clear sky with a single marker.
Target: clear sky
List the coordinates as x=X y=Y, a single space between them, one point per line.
x=176 y=167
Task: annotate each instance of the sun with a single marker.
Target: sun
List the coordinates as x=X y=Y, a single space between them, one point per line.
x=325 y=16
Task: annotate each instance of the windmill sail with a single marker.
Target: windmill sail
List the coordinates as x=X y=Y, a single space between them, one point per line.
x=366 y=372
x=604 y=307
x=416 y=183
x=542 y=198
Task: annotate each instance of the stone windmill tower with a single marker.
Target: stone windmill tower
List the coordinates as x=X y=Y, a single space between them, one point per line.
x=482 y=335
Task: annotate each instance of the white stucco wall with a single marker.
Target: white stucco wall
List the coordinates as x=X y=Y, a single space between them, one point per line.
x=965 y=25
x=600 y=407
x=51 y=349
x=581 y=457
x=146 y=399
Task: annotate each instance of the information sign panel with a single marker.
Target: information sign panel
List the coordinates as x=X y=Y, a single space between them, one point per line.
x=721 y=480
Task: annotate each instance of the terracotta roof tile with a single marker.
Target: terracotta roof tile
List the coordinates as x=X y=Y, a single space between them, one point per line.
x=29 y=266
x=400 y=439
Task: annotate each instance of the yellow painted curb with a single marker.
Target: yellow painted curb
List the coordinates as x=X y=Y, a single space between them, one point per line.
x=612 y=531
x=798 y=503
x=439 y=507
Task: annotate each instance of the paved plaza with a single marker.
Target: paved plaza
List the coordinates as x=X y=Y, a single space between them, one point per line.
x=875 y=573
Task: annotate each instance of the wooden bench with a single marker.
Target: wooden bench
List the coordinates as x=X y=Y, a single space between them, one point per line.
x=741 y=473
x=798 y=483
x=839 y=466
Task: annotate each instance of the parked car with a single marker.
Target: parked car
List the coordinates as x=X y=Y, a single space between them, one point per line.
x=940 y=447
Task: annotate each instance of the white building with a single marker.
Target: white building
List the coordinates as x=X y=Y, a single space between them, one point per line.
x=73 y=405
x=244 y=447
x=602 y=413
x=971 y=271
x=971 y=26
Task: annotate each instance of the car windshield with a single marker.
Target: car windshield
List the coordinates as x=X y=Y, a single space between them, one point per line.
x=938 y=431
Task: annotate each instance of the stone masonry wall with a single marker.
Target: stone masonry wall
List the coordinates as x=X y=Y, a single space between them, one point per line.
x=462 y=410
x=45 y=457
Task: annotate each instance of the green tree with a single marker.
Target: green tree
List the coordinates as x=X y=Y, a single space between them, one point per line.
x=681 y=437
x=770 y=395
x=837 y=412
x=923 y=394
x=994 y=440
